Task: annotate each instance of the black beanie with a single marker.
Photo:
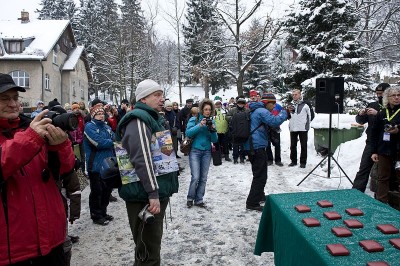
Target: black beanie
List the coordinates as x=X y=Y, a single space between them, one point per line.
x=53 y=103
x=382 y=87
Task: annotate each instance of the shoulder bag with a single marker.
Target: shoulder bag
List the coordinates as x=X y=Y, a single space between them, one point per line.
x=186 y=145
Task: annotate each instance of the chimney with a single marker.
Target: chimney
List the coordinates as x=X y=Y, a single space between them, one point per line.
x=24 y=16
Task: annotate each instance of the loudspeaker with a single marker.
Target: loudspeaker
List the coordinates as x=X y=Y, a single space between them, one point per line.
x=329 y=95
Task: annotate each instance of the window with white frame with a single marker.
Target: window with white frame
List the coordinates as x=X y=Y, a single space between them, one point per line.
x=55 y=52
x=21 y=78
x=73 y=89
x=47 y=82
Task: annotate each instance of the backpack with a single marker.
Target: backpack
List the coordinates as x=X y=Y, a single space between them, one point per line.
x=311 y=109
x=240 y=127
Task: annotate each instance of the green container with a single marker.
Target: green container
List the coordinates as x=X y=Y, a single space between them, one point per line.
x=339 y=136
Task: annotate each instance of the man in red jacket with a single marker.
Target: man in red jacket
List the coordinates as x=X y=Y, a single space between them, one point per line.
x=32 y=215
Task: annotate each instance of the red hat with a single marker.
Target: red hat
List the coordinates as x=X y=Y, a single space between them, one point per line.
x=253 y=93
x=268 y=98
x=96 y=109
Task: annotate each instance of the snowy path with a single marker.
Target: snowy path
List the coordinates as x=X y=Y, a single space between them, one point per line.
x=225 y=234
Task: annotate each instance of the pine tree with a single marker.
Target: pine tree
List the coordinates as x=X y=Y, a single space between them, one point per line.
x=133 y=44
x=256 y=73
x=203 y=45
x=57 y=9
x=97 y=30
x=322 y=32
x=107 y=47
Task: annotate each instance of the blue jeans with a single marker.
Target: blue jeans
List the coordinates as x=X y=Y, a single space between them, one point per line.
x=199 y=162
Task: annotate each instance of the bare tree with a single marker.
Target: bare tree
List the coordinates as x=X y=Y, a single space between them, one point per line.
x=378 y=29
x=234 y=17
x=175 y=21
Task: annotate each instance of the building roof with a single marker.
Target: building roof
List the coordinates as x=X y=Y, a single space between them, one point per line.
x=45 y=34
x=73 y=58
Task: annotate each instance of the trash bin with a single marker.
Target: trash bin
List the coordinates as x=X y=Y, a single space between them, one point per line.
x=339 y=136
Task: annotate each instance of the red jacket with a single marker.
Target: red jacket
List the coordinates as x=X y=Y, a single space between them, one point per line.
x=32 y=218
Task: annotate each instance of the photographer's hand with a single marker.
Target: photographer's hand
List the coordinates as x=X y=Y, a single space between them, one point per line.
x=394 y=130
x=39 y=125
x=55 y=135
x=154 y=206
x=371 y=111
x=203 y=122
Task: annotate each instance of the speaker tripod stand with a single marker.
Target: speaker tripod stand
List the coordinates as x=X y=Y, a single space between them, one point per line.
x=329 y=156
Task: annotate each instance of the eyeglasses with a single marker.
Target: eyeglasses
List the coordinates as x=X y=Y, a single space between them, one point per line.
x=7 y=99
x=207 y=109
x=394 y=95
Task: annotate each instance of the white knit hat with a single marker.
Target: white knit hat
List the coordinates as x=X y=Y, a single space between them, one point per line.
x=167 y=103
x=145 y=88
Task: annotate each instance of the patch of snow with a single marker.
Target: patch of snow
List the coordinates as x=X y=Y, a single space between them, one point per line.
x=225 y=233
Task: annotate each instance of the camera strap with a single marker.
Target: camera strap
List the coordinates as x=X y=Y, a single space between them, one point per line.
x=139 y=256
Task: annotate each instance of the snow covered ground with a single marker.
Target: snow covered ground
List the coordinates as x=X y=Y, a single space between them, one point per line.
x=224 y=234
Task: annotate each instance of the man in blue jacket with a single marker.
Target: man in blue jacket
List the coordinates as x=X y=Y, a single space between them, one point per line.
x=260 y=115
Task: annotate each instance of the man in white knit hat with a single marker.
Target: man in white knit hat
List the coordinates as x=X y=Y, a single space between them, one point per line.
x=150 y=193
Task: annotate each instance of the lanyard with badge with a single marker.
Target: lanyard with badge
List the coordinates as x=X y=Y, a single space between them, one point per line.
x=386 y=135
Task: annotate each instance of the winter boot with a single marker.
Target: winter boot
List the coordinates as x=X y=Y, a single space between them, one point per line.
x=242 y=159
x=227 y=158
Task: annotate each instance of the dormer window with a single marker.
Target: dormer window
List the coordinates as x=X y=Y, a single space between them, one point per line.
x=13 y=47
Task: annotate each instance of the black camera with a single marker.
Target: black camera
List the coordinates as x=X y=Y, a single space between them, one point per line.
x=146 y=216
x=65 y=121
x=209 y=124
x=389 y=127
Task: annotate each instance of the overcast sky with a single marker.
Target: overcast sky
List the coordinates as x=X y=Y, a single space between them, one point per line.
x=11 y=9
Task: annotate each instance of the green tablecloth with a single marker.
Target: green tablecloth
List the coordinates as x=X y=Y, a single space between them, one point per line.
x=281 y=229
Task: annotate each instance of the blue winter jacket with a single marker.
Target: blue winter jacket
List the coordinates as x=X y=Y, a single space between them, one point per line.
x=202 y=136
x=100 y=136
x=260 y=115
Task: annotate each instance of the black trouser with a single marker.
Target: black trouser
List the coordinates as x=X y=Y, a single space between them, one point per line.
x=222 y=144
x=82 y=153
x=361 y=180
x=56 y=257
x=259 y=167
x=99 y=196
x=147 y=237
x=238 y=150
x=274 y=139
x=303 y=136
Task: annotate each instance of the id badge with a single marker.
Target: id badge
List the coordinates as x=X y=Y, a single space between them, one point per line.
x=386 y=136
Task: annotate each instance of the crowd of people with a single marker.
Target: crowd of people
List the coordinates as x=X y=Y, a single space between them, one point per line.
x=383 y=143
x=36 y=183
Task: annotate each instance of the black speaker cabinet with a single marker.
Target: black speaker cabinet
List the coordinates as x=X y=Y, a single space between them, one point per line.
x=329 y=95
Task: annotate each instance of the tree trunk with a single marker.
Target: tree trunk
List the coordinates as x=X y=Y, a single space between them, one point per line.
x=206 y=86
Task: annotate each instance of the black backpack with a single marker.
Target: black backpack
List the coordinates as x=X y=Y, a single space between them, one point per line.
x=311 y=110
x=240 y=127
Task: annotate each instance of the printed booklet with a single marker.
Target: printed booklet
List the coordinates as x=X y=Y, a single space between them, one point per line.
x=163 y=154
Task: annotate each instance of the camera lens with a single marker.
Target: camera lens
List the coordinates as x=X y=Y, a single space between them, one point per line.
x=67 y=121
